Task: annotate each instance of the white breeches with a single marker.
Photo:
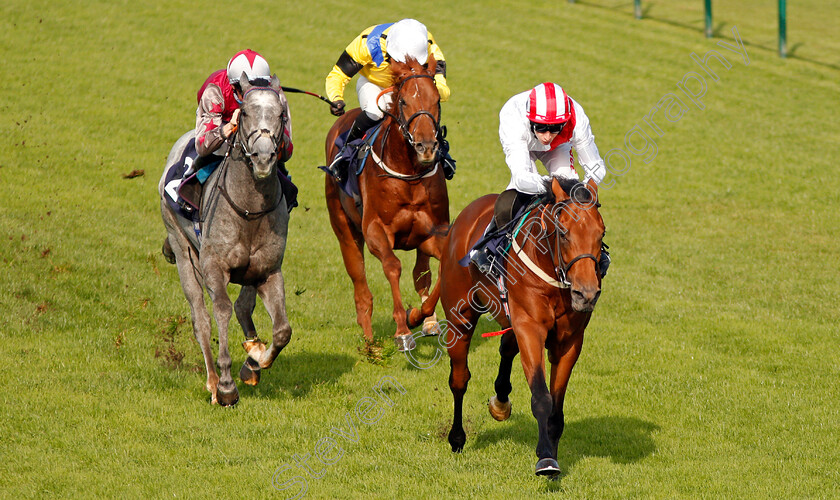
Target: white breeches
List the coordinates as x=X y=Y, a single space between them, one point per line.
x=367 y=92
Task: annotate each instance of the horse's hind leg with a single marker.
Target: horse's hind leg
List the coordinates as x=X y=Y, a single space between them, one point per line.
x=273 y=295
x=457 y=335
x=563 y=358
x=216 y=282
x=422 y=282
x=500 y=404
x=244 y=309
x=187 y=260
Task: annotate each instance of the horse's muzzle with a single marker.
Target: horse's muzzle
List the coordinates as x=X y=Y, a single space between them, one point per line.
x=426 y=151
x=585 y=298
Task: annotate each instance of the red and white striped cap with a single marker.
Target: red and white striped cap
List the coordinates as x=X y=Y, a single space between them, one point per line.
x=548 y=103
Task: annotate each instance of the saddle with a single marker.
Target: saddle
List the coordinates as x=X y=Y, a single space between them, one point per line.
x=355 y=162
x=509 y=209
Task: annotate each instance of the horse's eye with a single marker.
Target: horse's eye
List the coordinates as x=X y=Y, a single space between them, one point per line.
x=402 y=101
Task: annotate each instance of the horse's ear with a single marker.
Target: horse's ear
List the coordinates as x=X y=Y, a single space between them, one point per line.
x=557 y=190
x=244 y=84
x=275 y=82
x=431 y=65
x=592 y=187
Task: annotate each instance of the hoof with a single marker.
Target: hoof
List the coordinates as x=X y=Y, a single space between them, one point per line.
x=250 y=372
x=167 y=252
x=457 y=440
x=255 y=348
x=499 y=411
x=404 y=342
x=431 y=328
x=547 y=467
x=227 y=398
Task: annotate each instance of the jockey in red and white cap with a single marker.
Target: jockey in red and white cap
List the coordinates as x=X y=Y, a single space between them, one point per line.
x=218 y=105
x=546 y=124
x=541 y=124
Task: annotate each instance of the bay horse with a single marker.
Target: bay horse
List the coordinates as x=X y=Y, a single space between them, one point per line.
x=403 y=202
x=244 y=219
x=553 y=281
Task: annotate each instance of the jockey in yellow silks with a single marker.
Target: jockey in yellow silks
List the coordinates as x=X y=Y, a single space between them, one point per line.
x=369 y=55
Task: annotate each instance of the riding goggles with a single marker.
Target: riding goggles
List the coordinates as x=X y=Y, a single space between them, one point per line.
x=548 y=127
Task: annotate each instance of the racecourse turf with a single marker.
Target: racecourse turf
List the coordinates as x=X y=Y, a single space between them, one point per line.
x=711 y=365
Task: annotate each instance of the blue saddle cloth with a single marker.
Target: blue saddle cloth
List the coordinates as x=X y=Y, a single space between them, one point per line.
x=350 y=183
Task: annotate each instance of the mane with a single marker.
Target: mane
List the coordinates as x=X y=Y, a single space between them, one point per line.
x=577 y=191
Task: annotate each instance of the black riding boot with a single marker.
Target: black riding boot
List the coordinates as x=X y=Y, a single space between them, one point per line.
x=447 y=162
x=338 y=167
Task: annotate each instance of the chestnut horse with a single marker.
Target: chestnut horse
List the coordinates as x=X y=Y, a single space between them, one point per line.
x=553 y=282
x=404 y=203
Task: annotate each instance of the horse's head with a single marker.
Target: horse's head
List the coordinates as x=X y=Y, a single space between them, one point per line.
x=579 y=230
x=416 y=106
x=261 y=123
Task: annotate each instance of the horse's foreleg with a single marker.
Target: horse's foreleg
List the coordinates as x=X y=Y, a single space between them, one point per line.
x=200 y=321
x=273 y=294
x=422 y=282
x=244 y=309
x=352 y=243
x=500 y=404
x=563 y=357
x=381 y=246
x=187 y=261
x=531 y=346
x=216 y=282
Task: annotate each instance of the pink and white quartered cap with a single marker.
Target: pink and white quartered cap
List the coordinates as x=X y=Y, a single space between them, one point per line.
x=249 y=62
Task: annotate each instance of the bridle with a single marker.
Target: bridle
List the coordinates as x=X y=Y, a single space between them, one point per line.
x=242 y=144
x=405 y=124
x=275 y=138
x=561 y=268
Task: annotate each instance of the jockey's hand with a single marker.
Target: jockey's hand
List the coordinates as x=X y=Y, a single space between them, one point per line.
x=231 y=126
x=337 y=107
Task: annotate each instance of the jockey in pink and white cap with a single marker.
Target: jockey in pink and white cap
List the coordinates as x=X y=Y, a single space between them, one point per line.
x=546 y=124
x=218 y=104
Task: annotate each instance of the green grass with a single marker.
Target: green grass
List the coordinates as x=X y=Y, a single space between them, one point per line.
x=711 y=365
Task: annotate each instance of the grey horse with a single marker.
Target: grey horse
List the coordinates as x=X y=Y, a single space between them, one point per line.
x=244 y=223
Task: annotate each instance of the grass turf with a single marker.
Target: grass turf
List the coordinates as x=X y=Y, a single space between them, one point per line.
x=710 y=367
